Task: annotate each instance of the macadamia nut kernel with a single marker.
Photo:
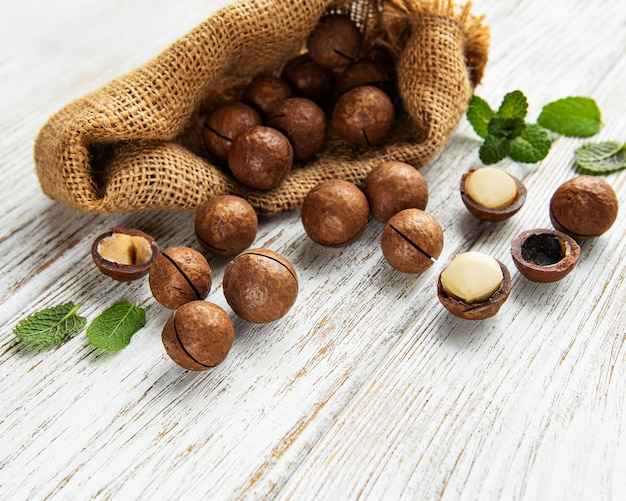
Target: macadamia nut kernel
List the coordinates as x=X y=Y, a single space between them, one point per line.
x=491 y=187
x=472 y=277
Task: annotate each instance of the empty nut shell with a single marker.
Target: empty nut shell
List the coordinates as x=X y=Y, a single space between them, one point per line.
x=124 y=254
x=477 y=310
x=584 y=207
x=179 y=275
x=198 y=335
x=543 y=255
x=260 y=285
x=490 y=213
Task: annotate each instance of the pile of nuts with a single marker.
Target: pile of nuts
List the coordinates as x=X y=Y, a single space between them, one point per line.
x=279 y=120
x=259 y=284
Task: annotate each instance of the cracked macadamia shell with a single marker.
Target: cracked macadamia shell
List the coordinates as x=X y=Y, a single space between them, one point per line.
x=335 y=42
x=179 y=275
x=478 y=310
x=584 y=207
x=492 y=214
x=543 y=255
x=124 y=254
x=260 y=285
x=335 y=213
x=198 y=335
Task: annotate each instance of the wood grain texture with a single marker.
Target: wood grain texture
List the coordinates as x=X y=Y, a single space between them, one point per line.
x=367 y=388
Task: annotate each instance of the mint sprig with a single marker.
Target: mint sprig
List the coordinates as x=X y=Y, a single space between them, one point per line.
x=113 y=329
x=506 y=132
x=601 y=158
x=50 y=326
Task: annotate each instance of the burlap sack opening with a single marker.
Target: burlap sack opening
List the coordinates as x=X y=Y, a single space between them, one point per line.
x=135 y=144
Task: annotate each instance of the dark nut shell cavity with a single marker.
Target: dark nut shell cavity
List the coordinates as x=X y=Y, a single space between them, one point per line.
x=544 y=255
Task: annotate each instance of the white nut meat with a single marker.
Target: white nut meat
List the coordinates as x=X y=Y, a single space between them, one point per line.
x=472 y=277
x=491 y=187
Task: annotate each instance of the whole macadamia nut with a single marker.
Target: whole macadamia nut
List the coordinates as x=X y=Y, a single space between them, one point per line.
x=264 y=92
x=394 y=186
x=361 y=72
x=335 y=42
x=304 y=124
x=335 y=213
x=179 y=275
x=261 y=157
x=260 y=285
x=412 y=240
x=225 y=225
x=224 y=125
x=308 y=79
x=584 y=207
x=198 y=335
x=363 y=116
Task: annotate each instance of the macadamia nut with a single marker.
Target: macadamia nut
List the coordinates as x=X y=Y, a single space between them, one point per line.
x=491 y=187
x=472 y=277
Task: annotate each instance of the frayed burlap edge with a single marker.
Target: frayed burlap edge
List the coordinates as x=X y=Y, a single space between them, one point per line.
x=129 y=146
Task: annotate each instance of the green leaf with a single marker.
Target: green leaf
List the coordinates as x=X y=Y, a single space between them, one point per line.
x=508 y=128
x=531 y=146
x=479 y=113
x=114 y=327
x=50 y=326
x=572 y=116
x=601 y=158
x=493 y=150
x=514 y=105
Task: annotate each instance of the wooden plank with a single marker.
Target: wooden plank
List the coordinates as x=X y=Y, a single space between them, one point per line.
x=367 y=387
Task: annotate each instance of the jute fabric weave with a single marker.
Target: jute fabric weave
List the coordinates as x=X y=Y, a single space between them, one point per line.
x=136 y=143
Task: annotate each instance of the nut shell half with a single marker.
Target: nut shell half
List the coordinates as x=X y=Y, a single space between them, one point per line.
x=480 y=310
x=543 y=255
x=490 y=214
x=144 y=254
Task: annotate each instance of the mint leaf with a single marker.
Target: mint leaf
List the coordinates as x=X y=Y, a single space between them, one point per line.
x=514 y=105
x=531 y=146
x=114 y=327
x=494 y=149
x=572 y=116
x=601 y=158
x=479 y=113
x=508 y=128
x=50 y=326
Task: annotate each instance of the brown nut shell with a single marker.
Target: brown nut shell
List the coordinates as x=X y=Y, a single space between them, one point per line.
x=260 y=285
x=260 y=157
x=361 y=72
x=490 y=214
x=335 y=213
x=226 y=225
x=394 y=186
x=363 y=116
x=224 y=124
x=308 y=79
x=264 y=92
x=335 y=42
x=543 y=255
x=124 y=254
x=179 y=275
x=198 y=335
x=480 y=310
x=412 y=240
x=584 y=207
x=304 y=124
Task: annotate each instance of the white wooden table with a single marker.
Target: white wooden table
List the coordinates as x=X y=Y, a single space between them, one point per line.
x=368 y=388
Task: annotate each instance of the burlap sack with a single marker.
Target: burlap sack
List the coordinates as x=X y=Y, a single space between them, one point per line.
x=135 y=144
